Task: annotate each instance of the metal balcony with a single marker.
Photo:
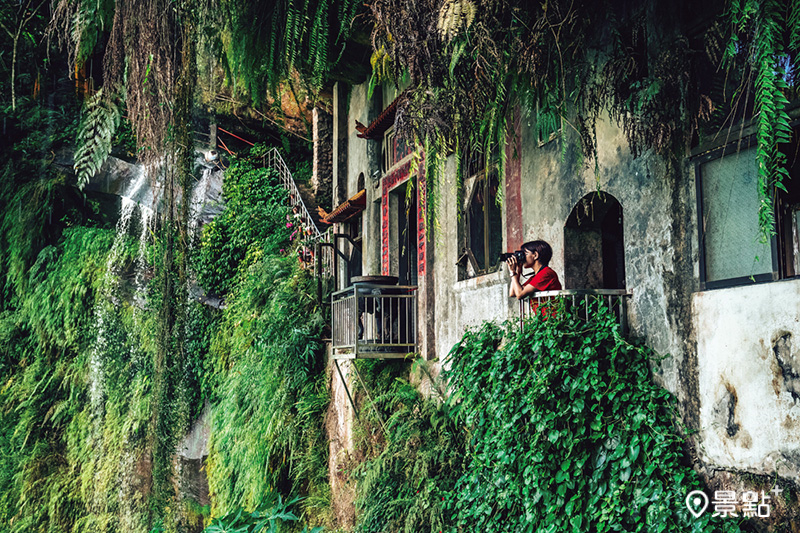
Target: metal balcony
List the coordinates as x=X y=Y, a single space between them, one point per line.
x=374 y=321
x=577 y=301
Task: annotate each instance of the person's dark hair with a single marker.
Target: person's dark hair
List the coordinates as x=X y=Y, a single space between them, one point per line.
x=544 y=249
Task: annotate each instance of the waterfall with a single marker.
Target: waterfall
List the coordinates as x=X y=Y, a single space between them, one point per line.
x=108 y=294
x=199 y=193
x=101 y=310
x=138 y=196
x=145 y=219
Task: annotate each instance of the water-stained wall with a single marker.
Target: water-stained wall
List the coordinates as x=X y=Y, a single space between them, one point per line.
x=730 y=355
x=748 y=352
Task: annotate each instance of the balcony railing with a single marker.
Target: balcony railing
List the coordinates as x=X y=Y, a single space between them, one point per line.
x=374 y=321
x=577 y=301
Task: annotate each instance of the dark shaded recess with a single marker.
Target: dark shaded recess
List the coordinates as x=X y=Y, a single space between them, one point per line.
x=594 y=244
x=353 y=67
x=732 y=428
x=782 y=349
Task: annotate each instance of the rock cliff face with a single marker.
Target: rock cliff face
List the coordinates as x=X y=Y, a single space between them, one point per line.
x=322 y=171
x=191 y=460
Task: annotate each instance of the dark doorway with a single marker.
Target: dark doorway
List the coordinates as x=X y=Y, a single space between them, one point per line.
x=403 y=232
x=594 y=248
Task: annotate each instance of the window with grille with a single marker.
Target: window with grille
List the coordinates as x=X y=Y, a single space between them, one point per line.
x=482 y=227
x=393 y=150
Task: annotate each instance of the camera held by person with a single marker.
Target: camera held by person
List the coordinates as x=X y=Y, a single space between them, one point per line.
x=518 y=254
x=534 y=255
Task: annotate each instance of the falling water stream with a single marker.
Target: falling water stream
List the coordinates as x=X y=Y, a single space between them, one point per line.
x=137 y=203
x=137 y=197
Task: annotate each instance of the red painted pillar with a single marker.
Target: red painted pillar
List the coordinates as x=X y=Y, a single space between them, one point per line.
x=513 y=164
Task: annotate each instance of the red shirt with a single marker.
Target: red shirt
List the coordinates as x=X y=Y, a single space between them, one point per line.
x=545 y=280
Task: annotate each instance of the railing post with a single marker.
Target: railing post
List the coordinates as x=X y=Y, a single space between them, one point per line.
x=354 y=330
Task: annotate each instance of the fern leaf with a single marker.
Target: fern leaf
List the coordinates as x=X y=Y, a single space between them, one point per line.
x=100 y=121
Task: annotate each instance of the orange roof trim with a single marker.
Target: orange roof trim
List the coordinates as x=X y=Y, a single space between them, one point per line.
x=385 y=120
x=353 y=205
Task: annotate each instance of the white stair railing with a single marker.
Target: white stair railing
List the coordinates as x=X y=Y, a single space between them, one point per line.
x=312 y=237
x=272 y=159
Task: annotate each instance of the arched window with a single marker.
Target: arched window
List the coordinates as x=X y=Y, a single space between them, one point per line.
x=594 y=250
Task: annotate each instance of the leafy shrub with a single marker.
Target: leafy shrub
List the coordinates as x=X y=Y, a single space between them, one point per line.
x=552 y=429
x=567 y=433
x=252 y=224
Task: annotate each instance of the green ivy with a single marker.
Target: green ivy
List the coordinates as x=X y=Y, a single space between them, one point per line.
x=253 y=224
x=567 y=432
x=552 y=429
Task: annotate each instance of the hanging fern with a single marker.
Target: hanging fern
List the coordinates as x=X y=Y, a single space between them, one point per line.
x=100 y=121
x=759 y=31
x=78 y=25
x=569 y=61
x=264 y=43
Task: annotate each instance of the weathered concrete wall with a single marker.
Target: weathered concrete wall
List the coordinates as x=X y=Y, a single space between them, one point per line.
x=364 y=167
x=340 y=143
x=748 y=351
x=339 y=427
x=467 y=303
x=657 y=206
x=654 y=228
x=361 y=152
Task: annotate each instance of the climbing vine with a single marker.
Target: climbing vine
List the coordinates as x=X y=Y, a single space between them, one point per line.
x=555 y=428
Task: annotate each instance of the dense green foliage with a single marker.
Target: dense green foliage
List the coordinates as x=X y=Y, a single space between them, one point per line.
x=76 y=391
x=267 y=519
x=75 y=397
x=264 y=366
x=264 y=42
x=403 y=485
x=568 y=433
x=82 y=418
x=564 y=431
x=253 y=224
x=270 y=394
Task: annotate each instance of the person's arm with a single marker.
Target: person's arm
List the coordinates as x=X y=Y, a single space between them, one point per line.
x=516 y=289
x=514 y=271
x=521 y=291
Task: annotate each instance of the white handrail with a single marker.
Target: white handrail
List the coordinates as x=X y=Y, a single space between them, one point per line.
x=274 y=160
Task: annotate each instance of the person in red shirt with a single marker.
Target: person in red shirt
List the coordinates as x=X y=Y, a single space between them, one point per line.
x=544 y=278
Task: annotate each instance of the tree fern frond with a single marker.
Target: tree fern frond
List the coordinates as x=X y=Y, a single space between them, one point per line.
x=793 y=24
x=100 y=121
